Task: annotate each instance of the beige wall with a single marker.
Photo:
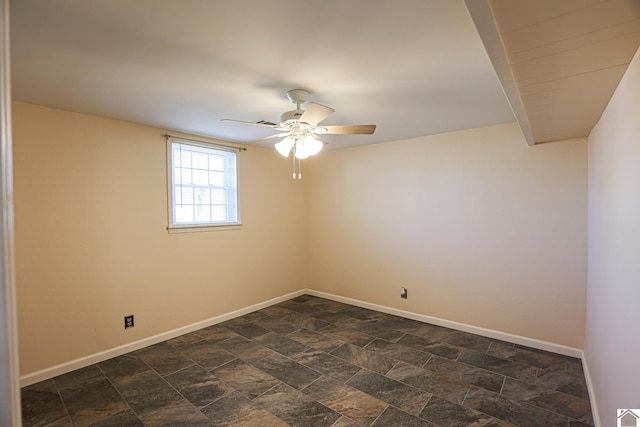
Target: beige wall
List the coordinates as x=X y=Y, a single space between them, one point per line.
x=481 y=228
x=92 y=245
x=612 y=345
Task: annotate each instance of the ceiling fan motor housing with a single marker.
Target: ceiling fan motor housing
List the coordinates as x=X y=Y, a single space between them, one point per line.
x=290 y=118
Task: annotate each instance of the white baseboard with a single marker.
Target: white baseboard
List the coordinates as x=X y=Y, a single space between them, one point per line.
x=503 y=336
x=592 y=395
x=82 y=362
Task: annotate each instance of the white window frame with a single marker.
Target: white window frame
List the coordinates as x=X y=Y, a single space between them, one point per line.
x=231 y=184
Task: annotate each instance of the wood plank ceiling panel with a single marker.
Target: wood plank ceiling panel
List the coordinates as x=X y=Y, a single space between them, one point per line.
x=566 y=57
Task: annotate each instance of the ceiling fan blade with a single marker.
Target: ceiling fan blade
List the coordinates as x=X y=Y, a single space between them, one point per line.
x=264 y=124
x=350 y=129
x=278 y=135
x=315 y=113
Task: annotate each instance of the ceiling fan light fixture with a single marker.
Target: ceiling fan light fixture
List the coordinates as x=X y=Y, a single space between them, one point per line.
x=302 y=150
x=284 y=147
x=313 y=145
x=300 y=129
x=307 y=146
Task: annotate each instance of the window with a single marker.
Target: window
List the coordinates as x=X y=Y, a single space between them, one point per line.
x=203 y=185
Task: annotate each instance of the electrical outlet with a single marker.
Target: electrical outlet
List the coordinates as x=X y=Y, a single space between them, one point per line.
x=403 y=293
x=128 y=321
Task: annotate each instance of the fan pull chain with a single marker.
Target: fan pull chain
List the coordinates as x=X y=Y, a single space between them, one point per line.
x=297 y=172
x=294 y=163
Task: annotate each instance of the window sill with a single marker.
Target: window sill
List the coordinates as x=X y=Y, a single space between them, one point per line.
x=198 y=228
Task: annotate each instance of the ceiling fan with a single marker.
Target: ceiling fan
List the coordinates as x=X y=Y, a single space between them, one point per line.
x=300 y=128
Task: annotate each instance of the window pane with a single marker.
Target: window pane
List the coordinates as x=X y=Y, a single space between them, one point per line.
x=203 y=213
x=199 y=161
x=184 y=157
x=216 y=162
x=218 y=213
x=217 y=196
x=184 y=214
x=216 y=179
x=203 y=196
x=183 y=195
x=185 y=176
x=200 y=177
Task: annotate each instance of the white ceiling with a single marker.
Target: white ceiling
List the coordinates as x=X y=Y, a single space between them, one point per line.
x=413 y=67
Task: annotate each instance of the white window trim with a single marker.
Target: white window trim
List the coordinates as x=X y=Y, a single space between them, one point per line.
x=191 y=228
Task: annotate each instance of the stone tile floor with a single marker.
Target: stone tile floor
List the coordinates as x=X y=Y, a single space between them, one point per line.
x=315 y=362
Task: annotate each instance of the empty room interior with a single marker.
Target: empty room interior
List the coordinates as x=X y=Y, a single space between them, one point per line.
x=426 y=212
